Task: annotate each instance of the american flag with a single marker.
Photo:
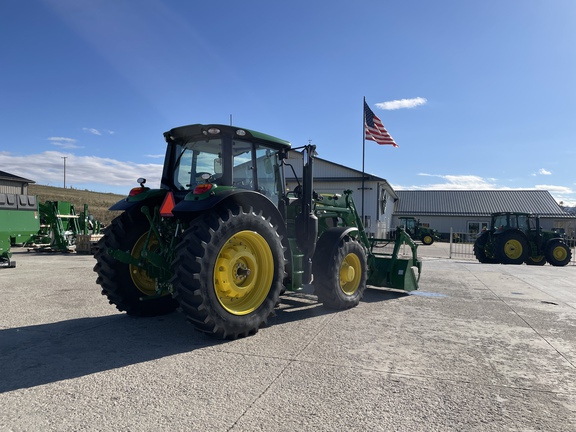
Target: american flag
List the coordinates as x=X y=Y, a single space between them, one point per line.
x=374 y=130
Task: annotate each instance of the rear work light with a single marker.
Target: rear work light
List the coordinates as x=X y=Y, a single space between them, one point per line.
x=137 y=191
x=202 y=188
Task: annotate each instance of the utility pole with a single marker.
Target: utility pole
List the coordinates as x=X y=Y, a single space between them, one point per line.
x=64 y=157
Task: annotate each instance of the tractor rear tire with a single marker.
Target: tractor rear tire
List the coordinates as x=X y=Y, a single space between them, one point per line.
x=228 y=272
x=511 y=248
x=427 y=239
x=340 y=279
x=480 y=249
x=558 y=254
x=126 y=285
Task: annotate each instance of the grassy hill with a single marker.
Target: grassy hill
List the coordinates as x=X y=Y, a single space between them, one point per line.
x=98 y=203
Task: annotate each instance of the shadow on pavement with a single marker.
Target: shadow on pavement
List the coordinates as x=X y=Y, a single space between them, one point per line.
x=46 y=353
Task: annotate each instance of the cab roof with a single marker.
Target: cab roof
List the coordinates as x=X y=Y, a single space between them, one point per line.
x=196 y=131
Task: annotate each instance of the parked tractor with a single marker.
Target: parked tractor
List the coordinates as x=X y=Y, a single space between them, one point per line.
x=419 y=232
x=516 y=238
x=222 y=238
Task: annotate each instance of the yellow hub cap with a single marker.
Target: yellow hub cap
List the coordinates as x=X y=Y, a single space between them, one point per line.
x=559 y=253
x=513 y=249
x=139 y=276
x=427 y=240
x=350 y=274
x=243 y=272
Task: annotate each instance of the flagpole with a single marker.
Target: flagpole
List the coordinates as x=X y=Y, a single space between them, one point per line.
x=363 y=151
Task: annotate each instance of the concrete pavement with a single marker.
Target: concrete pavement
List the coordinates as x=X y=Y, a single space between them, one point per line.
x=478 y=348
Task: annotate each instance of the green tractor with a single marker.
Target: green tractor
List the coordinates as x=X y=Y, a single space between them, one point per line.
x=516 y=238
x=418 y=232
x=222 y=238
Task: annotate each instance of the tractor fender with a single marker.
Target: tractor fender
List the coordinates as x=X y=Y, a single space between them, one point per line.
x=189 y=208
x=329 y=240
x=139 y=200
x=522 y=233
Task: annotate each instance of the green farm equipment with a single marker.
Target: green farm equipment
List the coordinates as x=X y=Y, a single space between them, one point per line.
x=222 y=238
x=19 y=222
x=417 y=231
x=516 y=238
x=61 y=227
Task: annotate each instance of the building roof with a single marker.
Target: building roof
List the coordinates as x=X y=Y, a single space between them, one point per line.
x=476 y=203
x=11 y=177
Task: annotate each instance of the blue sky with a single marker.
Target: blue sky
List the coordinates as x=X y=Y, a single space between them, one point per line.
x=489 y=88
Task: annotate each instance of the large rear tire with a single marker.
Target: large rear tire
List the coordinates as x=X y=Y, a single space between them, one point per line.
x=511 y=248
x=126 y=286
x=480 y=249
x=228 y=272
x=340 y=279
x=558 y=254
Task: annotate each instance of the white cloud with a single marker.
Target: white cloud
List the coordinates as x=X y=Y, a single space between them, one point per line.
x=472 y=182
x=65 y=143
x=155 y=156
x=454 y=182
x=542 y=171
x=402 y=103
x=555 y=189
x=94 y=173
x=92 y=131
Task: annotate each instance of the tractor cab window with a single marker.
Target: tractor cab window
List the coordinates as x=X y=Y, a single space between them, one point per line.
x=500 y=222
x=197 y=163
x=257 y=168
x=268 y=175
x=522 y=222
x=243 y=172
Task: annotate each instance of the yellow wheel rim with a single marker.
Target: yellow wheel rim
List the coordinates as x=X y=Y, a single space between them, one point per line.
x=139 y=276
x=559 y=253
x=350 y=274
x=243 y=273
x=537 y=259
x=513 y=249
x=427 y=240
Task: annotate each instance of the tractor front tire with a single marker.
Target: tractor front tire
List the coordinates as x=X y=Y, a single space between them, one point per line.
x=558 y=254
x=340 y=279
x=427 y=239
x=480 y=249
x=126 y=286
x=511 y=248
x=228 y=272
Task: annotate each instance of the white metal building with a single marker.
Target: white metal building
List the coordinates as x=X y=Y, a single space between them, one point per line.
x=330 y=177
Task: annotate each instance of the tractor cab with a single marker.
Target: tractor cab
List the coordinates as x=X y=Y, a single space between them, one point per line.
x=202 y=158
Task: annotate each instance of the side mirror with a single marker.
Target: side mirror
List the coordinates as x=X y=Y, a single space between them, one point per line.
x=218 y=166
x=268 y=166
